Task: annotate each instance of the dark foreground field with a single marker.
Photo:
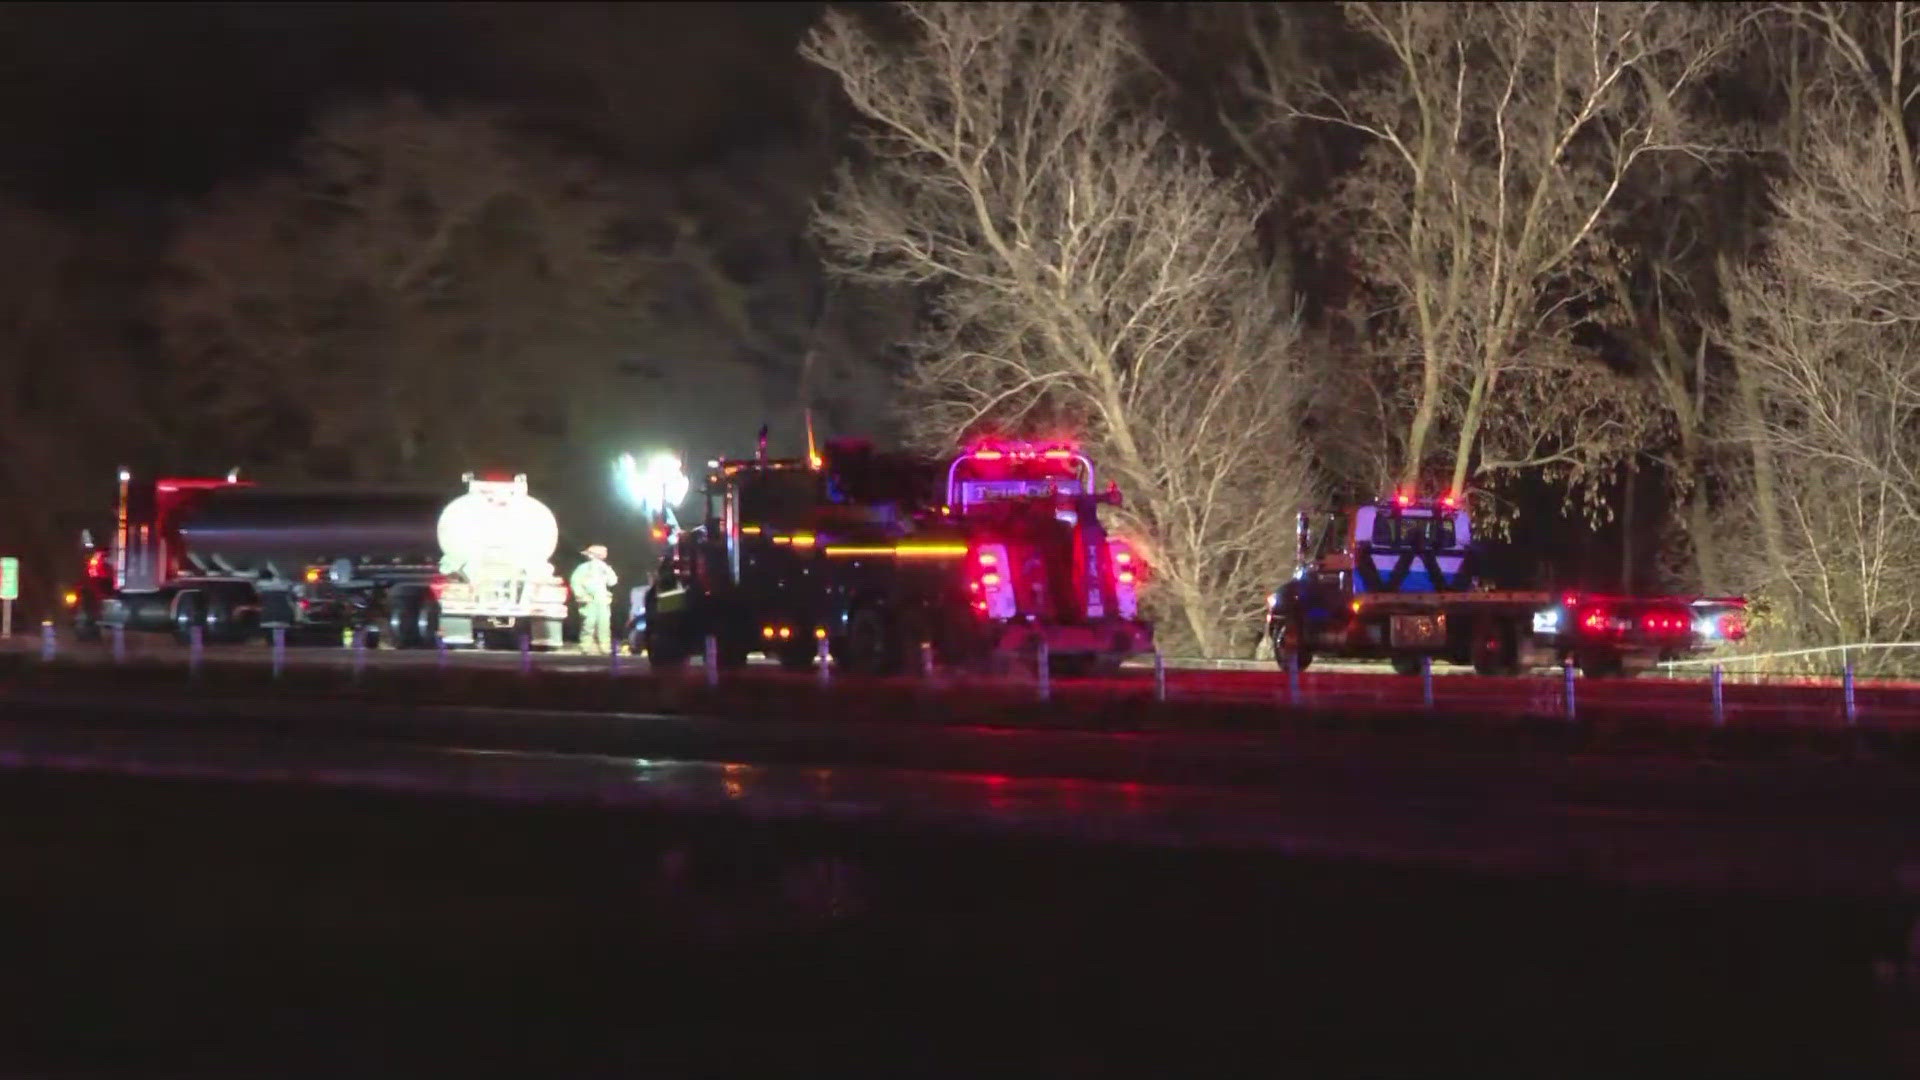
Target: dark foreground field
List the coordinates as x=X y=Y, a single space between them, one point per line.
x=160 y=928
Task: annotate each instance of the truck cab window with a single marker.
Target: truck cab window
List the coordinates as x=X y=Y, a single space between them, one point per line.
x=1399 y=532
x=779 y=501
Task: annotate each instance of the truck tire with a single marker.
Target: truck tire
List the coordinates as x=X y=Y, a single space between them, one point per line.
x=798 y=654
x=872 y=646
x=665 y=649
x=1287 y=631
x=1602 y=665
x=1494 y=650
x=403 y=617
x=220 y=616
x=188 y=612
x=1406 y=663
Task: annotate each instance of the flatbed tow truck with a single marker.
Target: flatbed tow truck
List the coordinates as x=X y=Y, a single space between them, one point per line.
x=1397 y=580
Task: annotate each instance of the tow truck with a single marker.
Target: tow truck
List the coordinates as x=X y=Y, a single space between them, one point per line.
x=984 y=559
x=1397 y=579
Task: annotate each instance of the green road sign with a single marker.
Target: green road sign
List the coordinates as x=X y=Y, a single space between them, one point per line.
x=9 y=578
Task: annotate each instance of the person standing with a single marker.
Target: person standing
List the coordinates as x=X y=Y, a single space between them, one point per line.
x=592 y=585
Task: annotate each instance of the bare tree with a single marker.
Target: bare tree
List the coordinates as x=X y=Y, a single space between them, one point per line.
x=1825 y=329
x=1498 y=137
x=1085 y=271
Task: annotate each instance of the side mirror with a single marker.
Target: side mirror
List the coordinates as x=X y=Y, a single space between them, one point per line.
x=1303 y=538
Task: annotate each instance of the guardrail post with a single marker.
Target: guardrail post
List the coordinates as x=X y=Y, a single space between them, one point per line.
x=613 y=661
x=279 y=650
x=1044 y=671
x=926 y=660
x=119 y=644
x=1846 y=690
x=526 y=652
x=47 y=641
x=1719 y=698
x=359 y=651
x=1293 y=678
x=1159 y=675
x=1572 y=708
x=196 y=643
x=823 y=659
x=713 y=660
x=1426 y=681
x=440 y=651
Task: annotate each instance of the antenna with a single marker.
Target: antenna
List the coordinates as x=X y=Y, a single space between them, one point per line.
x=813 y=455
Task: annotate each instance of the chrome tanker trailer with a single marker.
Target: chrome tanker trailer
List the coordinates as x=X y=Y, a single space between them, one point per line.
x=237 y=559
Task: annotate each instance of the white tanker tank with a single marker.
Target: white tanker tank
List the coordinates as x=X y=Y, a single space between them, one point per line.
x=496 y=546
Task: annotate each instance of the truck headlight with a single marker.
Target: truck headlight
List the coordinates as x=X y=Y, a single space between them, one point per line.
x=1546 y=622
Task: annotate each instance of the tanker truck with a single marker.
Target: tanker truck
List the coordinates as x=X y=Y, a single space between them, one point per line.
x=409 y=566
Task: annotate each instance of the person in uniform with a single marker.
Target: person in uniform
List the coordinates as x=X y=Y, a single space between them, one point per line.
x=592 y=584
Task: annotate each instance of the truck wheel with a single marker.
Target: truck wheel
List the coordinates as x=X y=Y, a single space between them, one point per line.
x=403 y=615
x=1406 y=663
x=1493 y=651
x=188 y=612
x=1602 y=665
x=1287 y=633
x=665 y=650
x=1073 y=665
x=797 y=656
x=871 y=646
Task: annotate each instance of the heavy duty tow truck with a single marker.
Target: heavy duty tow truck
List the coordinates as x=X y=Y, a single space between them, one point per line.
x=1396 y=579
x=873 y=554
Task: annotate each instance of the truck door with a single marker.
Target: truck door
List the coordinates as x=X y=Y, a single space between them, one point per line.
x=1324 y=588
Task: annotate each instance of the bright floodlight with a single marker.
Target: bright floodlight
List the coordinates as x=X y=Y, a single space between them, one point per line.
x=658 y=485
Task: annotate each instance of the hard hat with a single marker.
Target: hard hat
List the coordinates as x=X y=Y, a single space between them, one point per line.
x=595 y=551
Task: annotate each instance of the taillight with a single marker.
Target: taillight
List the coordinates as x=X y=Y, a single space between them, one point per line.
x=1665 y=622
x=987 y=587
x=1596 y=620
x=1733 y=626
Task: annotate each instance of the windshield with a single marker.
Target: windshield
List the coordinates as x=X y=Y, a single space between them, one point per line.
x=1397 y=532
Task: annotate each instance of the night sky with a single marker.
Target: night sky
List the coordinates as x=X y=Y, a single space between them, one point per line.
x=127 y=105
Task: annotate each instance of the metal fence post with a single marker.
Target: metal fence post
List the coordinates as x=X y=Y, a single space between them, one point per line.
x=526 y=653
x=613 y=662
x=823 y=659
x=279 y=650
x=359 y=652
x=1846 y=689
x=1044 y=671
x=1426 y=681
x=1293 y=678
x=47 y=641
x=196 y=641
x=1159 y=675
x=119 y=644
x=1719 y=697
x=926 y=661
x=713 y=660
x=1572 y=708
x=440 y=651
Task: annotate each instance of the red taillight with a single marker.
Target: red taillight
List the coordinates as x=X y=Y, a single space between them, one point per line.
x=1732 y=626
x=1058 y=455
x=1403 y=499
x=987 y=558
x=987 y=455
x=97 y=564
x=1595 y=620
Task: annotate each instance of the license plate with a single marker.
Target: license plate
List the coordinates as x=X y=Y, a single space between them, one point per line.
x=1419 y=630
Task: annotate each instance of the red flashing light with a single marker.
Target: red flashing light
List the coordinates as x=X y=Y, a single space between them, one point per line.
x=97 y=564
x=1569 y=600
x=1403 y=499
x=988 y=455
x=988 y=558
x=1447 y=501
x=1732 y=626
x=1661 y=622
x=1595 y=620
x=1058 y=454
